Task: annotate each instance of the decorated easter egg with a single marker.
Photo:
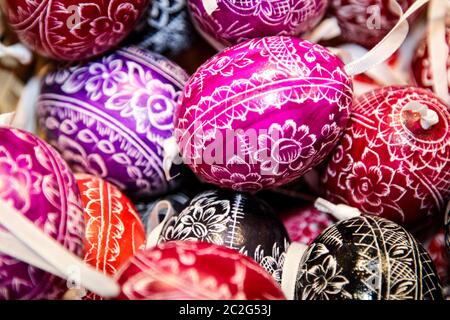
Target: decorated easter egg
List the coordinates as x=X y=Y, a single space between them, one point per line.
x=366 y=22
x=234 y=220
x=394 y=158
x=306 y=223
x=367 y=258
x=262 y=113
x=195 y=271
x=114 y=231
x=37 y=182
x=111 y=117
x=438 y=252
x=166 y=28
x=447 y=228
x=421 y=64
x=73 y=29
x=229 y=22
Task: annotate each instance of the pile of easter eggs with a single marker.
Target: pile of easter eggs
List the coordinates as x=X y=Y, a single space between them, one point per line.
x=260 y=176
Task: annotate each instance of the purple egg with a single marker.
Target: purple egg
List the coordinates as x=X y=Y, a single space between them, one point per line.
x=232 y=21
x=36 y=181
x=111 y=116
x=262 y=113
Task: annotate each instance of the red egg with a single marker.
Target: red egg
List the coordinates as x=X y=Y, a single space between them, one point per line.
x=306 y=223
x=73 y=29
x=438 y=253
x=195 y=271
x=114 y=231
x=421 y=65
x=366 y=22
x=394 y=158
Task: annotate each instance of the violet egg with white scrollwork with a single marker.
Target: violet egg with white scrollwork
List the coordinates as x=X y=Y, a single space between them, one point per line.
x=367 y=258
x=261 y=114
x=235 y=220
x=111 y=117
x=39 y=185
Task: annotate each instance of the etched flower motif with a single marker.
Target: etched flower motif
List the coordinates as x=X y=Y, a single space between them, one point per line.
x=372 y=184
x=203 y=220
x=272 y=263
x=17 y=180
x=98 y=79
x=109 y=28
x=286 y=146
x=238 y=175
x=323 y=280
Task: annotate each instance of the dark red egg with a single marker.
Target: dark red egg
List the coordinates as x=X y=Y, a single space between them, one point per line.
x=394 y=158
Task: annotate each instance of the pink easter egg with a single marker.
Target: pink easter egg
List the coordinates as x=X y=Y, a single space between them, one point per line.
x=389 y=163
x=36 y=181
x=232 y=21
x=262 y=113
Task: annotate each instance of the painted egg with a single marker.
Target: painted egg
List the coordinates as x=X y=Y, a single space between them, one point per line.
x=447 y=228
x=366 y=22
x=306 y=223
x=229 y=22
x=110 y=117
x=37 y=183
x=367 y=258
x=73 y=29
x=166 y=28
x=195 y=271
x=234 y=220
x=262 y=113
x=421 y=66
x=394 y=158
x=438 y=252
x=114 y=231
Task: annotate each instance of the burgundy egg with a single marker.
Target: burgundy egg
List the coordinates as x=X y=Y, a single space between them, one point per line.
x=73 y=29
x=366 y=22
x=306 y=223
x=394 y=158
x=421 y=66
x=438 y=252
x=195 y=271
x=262 y=113
x=230 y=22
x=36 y=181
x=111 y=117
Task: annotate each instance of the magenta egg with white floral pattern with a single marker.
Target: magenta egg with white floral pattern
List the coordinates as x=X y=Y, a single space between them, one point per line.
x=110 y=117
x=262 y=113
x=36 y=181
x=232 y=21
x=394 y=158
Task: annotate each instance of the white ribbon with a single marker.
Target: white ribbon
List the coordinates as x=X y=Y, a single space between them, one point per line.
x=28 y=243
x=171 y=153
x=18 y=52
x=6 y=119
x=291 y=268
x=438 y=48
x=326 y=30
x=26 y=108
x=340 y=211
x=154 y=225
x=210 y=6
x=428 y=117
x=393 y=40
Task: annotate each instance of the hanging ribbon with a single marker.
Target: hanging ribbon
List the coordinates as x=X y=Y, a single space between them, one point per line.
x=326 y=30
x=170 y=155
x=291 y=268
x=28 y=243
x=210 y=6
x=26 y=108
x=6 y=119
x=155 y=225
x=387 y=47
x=340 y=211
x=438 y=48
x=17 y=51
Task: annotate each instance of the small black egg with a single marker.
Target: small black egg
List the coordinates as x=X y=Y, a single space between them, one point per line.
x=235 y=220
